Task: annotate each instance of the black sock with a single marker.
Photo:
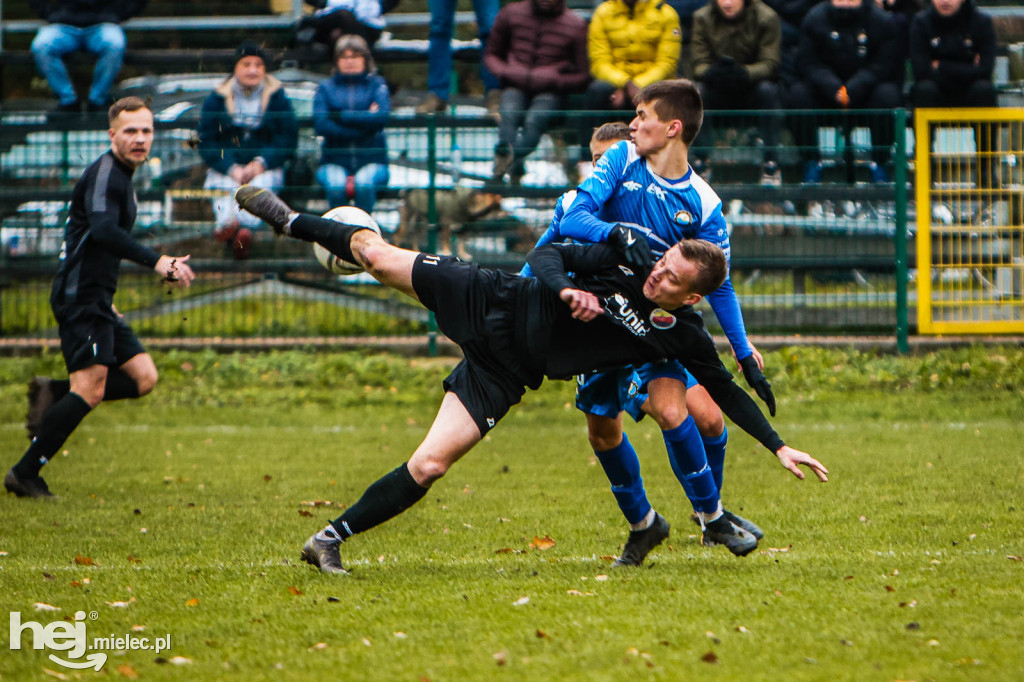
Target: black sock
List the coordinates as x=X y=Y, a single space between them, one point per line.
x=332 y=235
x=388 y=496
x=61 y=419
x=119 y=386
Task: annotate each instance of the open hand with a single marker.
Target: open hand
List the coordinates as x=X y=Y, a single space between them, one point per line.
x=583 y=304
x=792 y=459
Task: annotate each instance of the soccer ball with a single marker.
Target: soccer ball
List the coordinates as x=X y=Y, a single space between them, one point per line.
x=349 y=215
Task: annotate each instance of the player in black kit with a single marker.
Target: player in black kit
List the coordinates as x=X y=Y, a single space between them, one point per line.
x=105 y=360
x=514 y=331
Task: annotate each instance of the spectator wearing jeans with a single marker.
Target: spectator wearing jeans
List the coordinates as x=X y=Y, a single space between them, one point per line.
x=439 y=53
x=736 y=53
x=538 y=51
x=350 y=109
x=846 y=62
x=247 y=133
x=631 y=43
x=90 y=25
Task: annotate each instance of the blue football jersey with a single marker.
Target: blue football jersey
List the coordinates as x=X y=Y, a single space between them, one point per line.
x=623 y=189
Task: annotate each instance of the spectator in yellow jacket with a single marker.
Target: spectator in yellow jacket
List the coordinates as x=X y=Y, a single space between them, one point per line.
x=631 y=44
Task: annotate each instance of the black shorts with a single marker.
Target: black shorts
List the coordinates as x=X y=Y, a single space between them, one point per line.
x=475 y=308
x=88 y=338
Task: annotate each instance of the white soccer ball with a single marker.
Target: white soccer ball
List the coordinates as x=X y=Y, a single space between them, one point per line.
x=349 y=215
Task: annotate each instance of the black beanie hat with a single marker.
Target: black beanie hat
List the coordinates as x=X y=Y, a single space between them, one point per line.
x=250 y=48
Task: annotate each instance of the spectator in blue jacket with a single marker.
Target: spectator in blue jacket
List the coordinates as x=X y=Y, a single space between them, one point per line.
x=247 y=133
x=90 y=25
x=349 y=111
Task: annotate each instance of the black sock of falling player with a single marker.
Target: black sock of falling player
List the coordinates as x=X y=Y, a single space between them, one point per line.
x=60 y=420
x=119 y=386
x=388 y=496
x=59 y=388
x=332 y=235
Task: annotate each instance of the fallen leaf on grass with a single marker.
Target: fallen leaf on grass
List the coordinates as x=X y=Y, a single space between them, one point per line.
x=1015 y=557
x=295 y=591
x=777 y=549
x=84 y=560
x=192 y=602
x=400 y=635
x=849 y=577
x=54 y=673
x=75 y=583
x=908 y=604
x=126 y=670
x=600 y=578
x=303 y=512
x=501 y=658
x=890 y=588
x=42 y=606
x=933 y=642
x=47 y=576
x=319 y=646
x=740 y=628
x=521 y=601
x=709 y=657
x=968 y=661
x=577 y=593
x=542 y=635
x=913 y=626
x=266 y=478
x=315 y=503
x=179 y=660
x=508 y=550
x=542 y=543
x=121 y=604
x=138 y=628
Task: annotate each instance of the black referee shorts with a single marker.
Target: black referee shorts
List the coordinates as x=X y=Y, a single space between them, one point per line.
x=88 y=338
x=475 y=309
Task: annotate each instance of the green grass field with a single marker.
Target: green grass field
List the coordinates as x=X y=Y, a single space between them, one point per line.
x=184 y=513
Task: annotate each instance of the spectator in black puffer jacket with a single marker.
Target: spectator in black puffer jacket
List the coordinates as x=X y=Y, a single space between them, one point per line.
x=846 y=62
x=538 y=51
x=952 y=53
x=90 y=25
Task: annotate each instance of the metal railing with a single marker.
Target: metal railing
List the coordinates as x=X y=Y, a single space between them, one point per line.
x=829 y=257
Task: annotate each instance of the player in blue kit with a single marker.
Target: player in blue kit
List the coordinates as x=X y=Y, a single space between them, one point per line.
x=644 y=197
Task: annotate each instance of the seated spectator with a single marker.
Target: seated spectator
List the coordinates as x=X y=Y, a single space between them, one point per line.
x=335 y=18
x=81 y=25
x=247 y=132
x=845 y=62
x=952 y=54
x=439 y=54
x=538 y=51
x=736 y=66
x=350 y=109
x=631 y=43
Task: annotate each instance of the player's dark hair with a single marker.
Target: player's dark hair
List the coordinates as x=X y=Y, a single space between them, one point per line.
x=710 y=261
x=677 y=99
x=126 y=104
x=610 y=131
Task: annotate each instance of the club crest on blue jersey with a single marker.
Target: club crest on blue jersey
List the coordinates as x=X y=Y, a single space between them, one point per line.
x=662 y=319
x=683 y=217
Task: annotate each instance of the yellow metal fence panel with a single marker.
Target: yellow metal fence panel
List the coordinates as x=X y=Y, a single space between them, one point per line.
x=970 y=220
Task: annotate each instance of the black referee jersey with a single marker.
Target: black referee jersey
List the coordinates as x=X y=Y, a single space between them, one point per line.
x=97 y=236
x=632 y=330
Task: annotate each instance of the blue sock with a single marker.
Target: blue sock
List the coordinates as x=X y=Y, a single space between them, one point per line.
x=715 y=450
x=622 y=468
x=690 y=464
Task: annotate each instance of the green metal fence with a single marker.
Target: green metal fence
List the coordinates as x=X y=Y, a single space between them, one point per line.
x=807 y=258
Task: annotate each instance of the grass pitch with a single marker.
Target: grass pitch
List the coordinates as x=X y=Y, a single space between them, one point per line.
x=183 y=515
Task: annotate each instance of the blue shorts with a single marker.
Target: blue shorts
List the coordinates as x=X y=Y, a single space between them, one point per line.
x=608 y=393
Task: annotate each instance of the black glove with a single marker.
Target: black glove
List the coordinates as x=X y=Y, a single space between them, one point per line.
x=633 y=245
x=755 y=377
x=727 y=73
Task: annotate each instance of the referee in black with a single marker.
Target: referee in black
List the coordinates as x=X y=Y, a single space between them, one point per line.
x=105 y=360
